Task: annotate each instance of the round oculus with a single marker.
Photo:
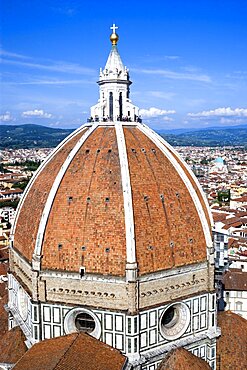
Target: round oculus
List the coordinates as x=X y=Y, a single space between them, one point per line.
x=85 y=322
x=82 y=320
x=174 y=321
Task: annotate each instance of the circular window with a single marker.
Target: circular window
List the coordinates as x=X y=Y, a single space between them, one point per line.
x=174 y=321
x=85 y=322
x=82 y=320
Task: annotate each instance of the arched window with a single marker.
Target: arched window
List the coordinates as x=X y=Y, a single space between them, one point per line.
x=111 y=106
x=120 y=106
x=239 y=306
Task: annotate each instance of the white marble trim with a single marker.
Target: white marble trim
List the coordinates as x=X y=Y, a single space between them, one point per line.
x=127 y=195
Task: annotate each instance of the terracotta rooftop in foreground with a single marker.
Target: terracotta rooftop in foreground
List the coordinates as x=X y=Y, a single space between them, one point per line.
x=76 y=351
x=232 y=344
x=3 y=313
x=12 y=346
x=181 y=359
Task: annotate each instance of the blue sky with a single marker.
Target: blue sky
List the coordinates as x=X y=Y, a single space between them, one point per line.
x=187 y=60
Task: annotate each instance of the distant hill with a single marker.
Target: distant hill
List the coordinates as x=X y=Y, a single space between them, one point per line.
x=184 y=130
x=35 y=136
x=31 y=136
x=230 y=136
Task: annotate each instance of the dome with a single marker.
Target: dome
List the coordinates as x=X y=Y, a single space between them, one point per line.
x=113 y=194
x=219 y=160
x=113 y=238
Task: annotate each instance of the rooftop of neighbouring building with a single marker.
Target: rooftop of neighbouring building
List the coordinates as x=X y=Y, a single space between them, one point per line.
x=76 y=351
x=181 y=359
x=235 y=280
x=232 y=344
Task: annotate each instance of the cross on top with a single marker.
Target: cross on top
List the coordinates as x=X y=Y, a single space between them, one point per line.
x=114 y=28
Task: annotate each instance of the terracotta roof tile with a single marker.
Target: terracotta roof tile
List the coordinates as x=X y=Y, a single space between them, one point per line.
x=3 y=268
x=28 y=222
x=76 y=351
x=181 y=359
x=12 y=346
x=232 y=344
x=4 y=254
x=235 y=280
x=90 y=227
x=168 y=230
x=86 y=223
x=195 y=186
x=235 y=220
x=219 y=216
x=3 y=313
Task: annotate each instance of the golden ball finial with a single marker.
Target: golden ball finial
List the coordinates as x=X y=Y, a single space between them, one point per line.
x=114 y=37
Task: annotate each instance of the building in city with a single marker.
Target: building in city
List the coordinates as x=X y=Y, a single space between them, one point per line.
x=219 y=166
x=235 y=291
x=113 y=238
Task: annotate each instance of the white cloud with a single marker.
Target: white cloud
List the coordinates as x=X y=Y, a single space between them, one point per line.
x=9 y=54
x=6 y=117
x=174 y=75
x=11 y=58
x=162 y=94
x=155 y=112
x=51 y=82
x=167 y=119
x=39 y=113
x=234 y=120
x=54 y=66
x=171 y=57
x=221 y=112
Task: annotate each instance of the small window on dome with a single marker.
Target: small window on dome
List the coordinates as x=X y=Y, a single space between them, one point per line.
x=84 y=322
x=69 y=199
x=82 y=271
